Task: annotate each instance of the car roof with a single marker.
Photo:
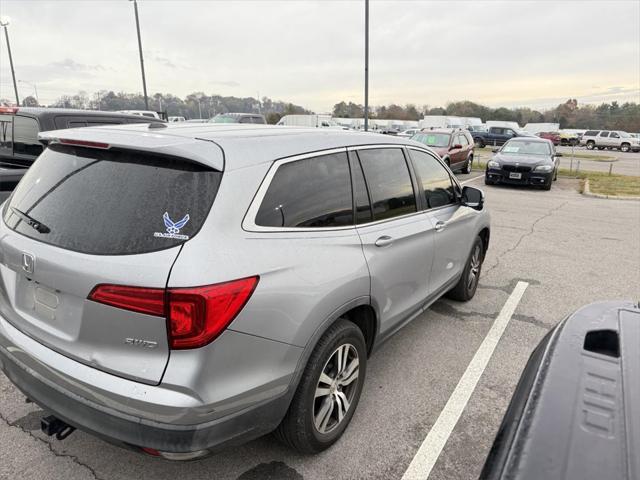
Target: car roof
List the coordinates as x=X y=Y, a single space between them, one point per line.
x=225 y=146
x=530 y=139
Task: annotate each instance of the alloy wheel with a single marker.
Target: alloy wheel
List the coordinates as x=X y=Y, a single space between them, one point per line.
x=336 y=388
x=474 y=270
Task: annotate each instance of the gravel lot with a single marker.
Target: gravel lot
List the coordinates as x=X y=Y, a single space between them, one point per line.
x=572 y=250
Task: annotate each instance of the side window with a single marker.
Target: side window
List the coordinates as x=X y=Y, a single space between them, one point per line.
x=389 y=182
x=498 y=131
x=25 y=136
x=245 y=120
x=614 y=135
x=6 y=134
x=360 y=194
x=314 y=192
x=604 y=134
x=435 y=180
x=463 y=140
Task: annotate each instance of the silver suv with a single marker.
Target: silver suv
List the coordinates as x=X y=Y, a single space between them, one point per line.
x=617 y=139
x=181 y=288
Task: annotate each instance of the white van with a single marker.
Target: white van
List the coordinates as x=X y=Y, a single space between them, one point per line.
x=319 y=121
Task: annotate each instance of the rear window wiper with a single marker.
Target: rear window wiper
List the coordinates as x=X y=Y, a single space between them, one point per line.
x=32 y=222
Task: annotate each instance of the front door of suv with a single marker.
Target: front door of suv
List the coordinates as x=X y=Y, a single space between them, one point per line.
x=398 y=240
x=451 y=220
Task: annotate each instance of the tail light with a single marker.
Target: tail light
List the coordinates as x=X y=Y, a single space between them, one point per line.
x=195 y=316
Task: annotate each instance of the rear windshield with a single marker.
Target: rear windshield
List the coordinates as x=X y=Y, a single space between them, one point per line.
x=107 y=202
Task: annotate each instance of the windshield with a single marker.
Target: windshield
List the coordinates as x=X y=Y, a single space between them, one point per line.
x=223 y=119
x=520 y=147
x=433 y=139
x=624 y=134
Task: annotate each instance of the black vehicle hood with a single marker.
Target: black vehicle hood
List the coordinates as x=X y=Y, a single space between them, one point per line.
x=522 y=159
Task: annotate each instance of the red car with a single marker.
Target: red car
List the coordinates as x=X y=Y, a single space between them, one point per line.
x=553 y=136
x=455 y=146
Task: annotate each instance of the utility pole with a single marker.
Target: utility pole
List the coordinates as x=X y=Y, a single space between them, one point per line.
x=4 y=23
x=144 y=81
x=366 y=65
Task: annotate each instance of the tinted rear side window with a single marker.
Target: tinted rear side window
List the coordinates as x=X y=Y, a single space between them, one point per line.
x=387 y=176
x=314 y=192
x=6 y=134
x=25 y=136
x=112 y=202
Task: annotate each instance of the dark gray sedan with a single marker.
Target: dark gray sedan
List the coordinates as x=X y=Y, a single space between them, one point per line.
x=524 y=161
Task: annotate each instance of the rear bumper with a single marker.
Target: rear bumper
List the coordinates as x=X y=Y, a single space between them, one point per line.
x=528 y=178
x=99 y=412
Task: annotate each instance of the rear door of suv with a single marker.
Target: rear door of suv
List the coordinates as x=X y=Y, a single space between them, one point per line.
x=84 y=221
x=398 y=240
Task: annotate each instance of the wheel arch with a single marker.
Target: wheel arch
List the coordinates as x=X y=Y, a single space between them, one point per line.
x=360 y=312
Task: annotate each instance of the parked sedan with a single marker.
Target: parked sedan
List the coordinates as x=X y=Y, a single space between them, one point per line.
x=454 y=146
x=524 y=161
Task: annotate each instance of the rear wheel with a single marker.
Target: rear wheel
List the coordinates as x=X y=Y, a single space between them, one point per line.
x=328 y=392
x=600 y=148
x=466 y=287
x=469 y=165
x=625 y=147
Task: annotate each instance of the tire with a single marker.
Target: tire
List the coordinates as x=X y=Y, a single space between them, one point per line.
x=600 y=148
x=466 y=287
x=299 y=429
x=625 y=147
x=448 y=162
x=469 y=165
x=487 y=181
x=590 y=145
x=479 y=143
x=555 y=175
x=547 y=186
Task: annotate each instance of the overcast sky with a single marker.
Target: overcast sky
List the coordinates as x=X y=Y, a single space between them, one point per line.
x=511 y=53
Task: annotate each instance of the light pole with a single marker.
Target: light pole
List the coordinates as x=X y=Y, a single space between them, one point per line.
x=4 y=22
x=366 y=65
x=35 y=89
x=144 y=81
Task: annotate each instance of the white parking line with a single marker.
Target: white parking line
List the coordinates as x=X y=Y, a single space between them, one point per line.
x=432 y=446
x=472 y=179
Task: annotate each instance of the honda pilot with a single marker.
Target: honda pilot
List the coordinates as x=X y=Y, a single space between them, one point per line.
x=178 y=288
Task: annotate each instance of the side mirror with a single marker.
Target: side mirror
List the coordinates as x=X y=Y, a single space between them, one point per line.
x=495 y=150
x=455 y=147
x=473 y=197
x=558 y=154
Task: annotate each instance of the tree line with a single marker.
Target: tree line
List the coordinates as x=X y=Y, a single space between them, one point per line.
x=194 y=105
x=609 y=116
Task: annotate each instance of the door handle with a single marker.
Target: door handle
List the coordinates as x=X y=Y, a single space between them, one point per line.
x=384 y=241
x=440 y=225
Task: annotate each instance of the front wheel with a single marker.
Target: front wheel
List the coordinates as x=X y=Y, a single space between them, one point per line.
x=590 y=145
x=479 y=143
x=328 y=392
x=466 y=287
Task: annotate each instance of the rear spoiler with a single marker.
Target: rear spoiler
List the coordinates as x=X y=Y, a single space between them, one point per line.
x=201 y=151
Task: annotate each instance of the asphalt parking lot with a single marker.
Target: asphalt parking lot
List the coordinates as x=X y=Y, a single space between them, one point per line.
x=570 y=249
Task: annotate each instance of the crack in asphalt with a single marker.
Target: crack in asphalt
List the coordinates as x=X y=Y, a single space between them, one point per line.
x=73 y=458
x=531 y=231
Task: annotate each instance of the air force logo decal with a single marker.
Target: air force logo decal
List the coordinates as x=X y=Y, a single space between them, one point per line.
x=173 y=228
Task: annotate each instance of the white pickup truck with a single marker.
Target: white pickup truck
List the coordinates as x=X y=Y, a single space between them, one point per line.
x=617 y=139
